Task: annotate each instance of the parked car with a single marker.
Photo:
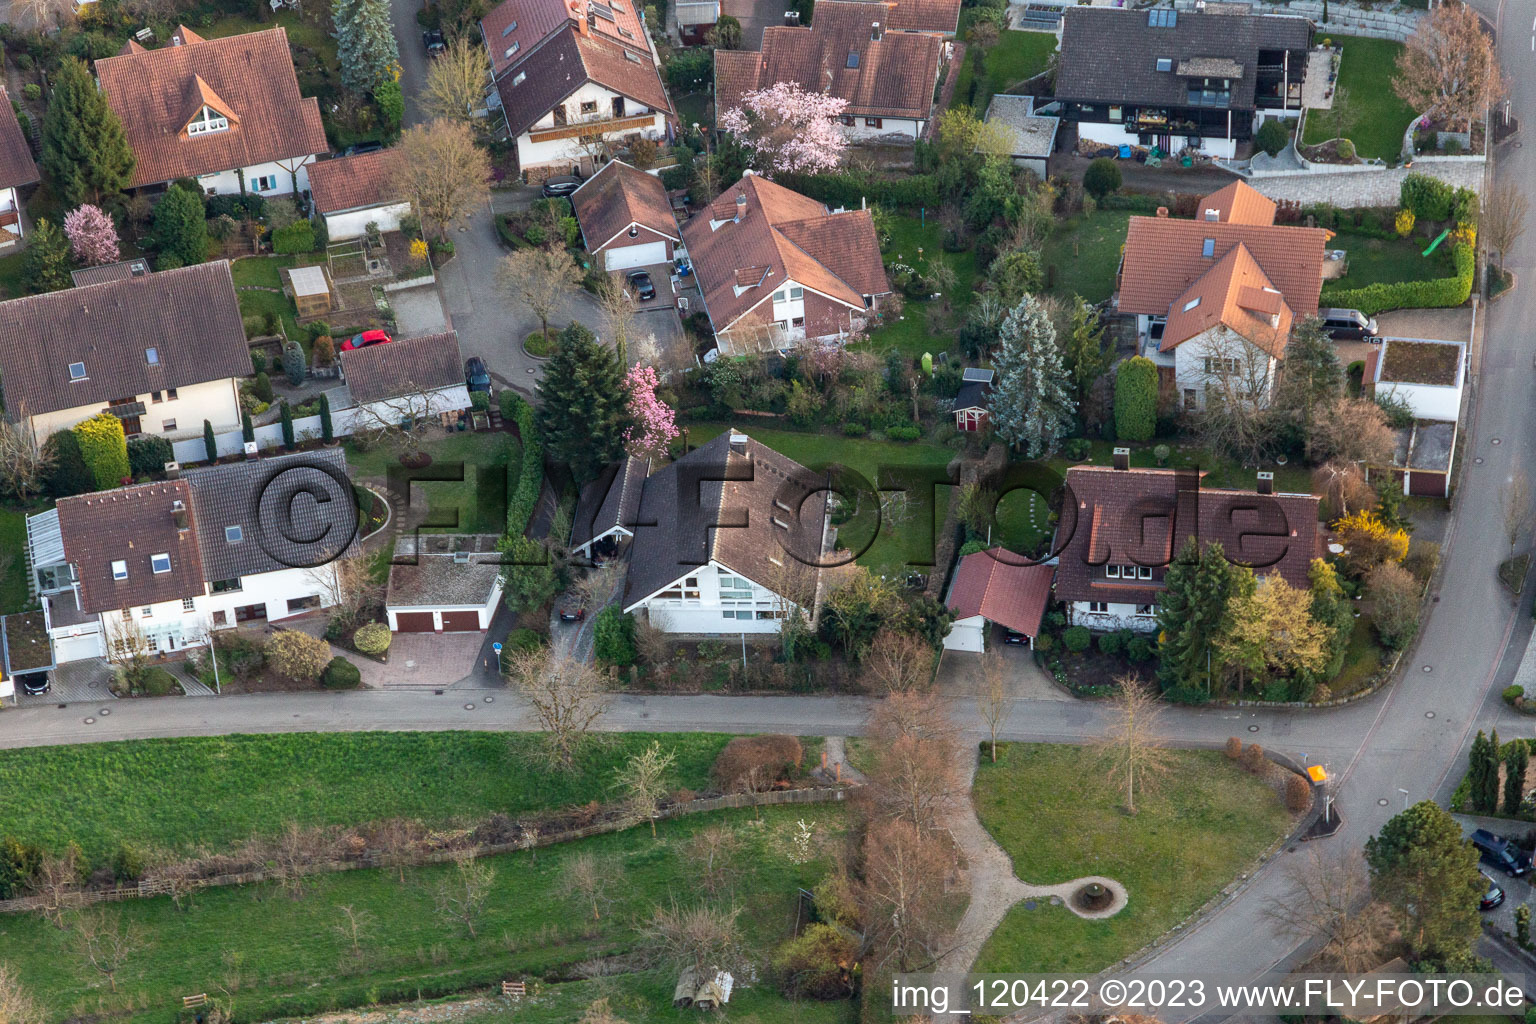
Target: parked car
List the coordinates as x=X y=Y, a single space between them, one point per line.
x=560 y=185
x=363 y=147
x=1501 y=853
x=640 y=281
x=374 y=337
x=432 y=41
x=34 y=683
x=476 y=376
x=572 y=610
x=1493 y=897
x=1347 y=324
x=1014 y=637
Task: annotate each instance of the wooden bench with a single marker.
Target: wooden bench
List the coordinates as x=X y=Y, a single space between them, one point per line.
x=514 y=989
x=187 y=1002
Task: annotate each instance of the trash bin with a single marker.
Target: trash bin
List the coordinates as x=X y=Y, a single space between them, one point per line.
x=1125 y=151
x=1188 y=161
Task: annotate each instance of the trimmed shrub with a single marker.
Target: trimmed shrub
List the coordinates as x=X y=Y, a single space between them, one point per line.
x=613 y=637
x=1139 y=649
x=1111 y=643
x=157 y=682
x=327 y=432
x=1298 y=793
x=261 y=387
x=1101 y=178
x=1136 y=399
x=293 y=363
x=1428 y=198
x=372 y=638
x=906 y=432
x=285 y=418
x=128 y=863
x=323 y=351
x=524 y=496
x=148 y=455
x=524 y=640
x=1272 y=136
x=104 y=450
x=295 y=238
x=1345 y=150
x=1513 y=695
x=1076 y=639
x=297 y=655
x=341 y=674
x=1253 y=758
x=817 y=963
x=756 y=762
x=851 y=189
x=1234 y=748
x=67 y=472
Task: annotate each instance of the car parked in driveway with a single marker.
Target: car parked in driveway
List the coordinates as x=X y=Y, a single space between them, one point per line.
x=1348 y=324
x=374 y=337
x=363 y=147
x=1501 y=853
x=1013 y=637
x=476 y=376
x=34 y=683
x=1493 y=896
x=640 y=281
x=572 y=609
x=560 y=185
x=432 y=41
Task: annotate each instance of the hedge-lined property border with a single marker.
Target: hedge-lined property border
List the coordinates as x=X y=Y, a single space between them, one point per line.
x=1437 y=294
x=523 y=493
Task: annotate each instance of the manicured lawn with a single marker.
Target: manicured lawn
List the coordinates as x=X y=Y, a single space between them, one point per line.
x=1023 y=521
x=1387 y=260
x=896 y=545
x=294 y=961
x=259 y=304
x=14 y=596
x=648 y=997
x=476 y=504
x=1375 y=118
x=300 y=32
x=1052 y=809
x=1362 y=661
x=212 y=791
x=1016 y=57
x=1083 y=254
x=1218 y=472
x=910 y=335
x=266 y=271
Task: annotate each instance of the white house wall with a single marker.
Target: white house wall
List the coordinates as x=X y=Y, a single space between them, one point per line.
x=1428 y=402
x=354 y=223
x=706 y=614
x=216 y=401
x=901 y=127
x=1119 y=616
x=568 y=152
x=484 y=612
x=226 y=183
x=1189 y=361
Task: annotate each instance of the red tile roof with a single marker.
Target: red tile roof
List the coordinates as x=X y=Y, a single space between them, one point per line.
x=251 y=76
x=131 y=524
x=1234 y=292
x=617 y=196
x=1238 y=203
x=782 y=236
x=892 y=76
x=353 y=182
x=941 y=16
x=1010 y=595
x=521 y=25
x=16 y=164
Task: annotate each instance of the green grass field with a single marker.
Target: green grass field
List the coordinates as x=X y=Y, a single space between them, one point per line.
x=14 y=595
x=1290 y=478
x=896 y=545
x=1374 y=118
x=1083 y=254
x=910 y=335
x=478 y=503
x=266 y=271
x=1018 y=56
x=1023 y=521
x=1388 y=260
x=1052 y=809
x=294 y=960
x=182 y=794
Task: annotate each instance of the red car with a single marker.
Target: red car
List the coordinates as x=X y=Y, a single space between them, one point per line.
x=365 y=339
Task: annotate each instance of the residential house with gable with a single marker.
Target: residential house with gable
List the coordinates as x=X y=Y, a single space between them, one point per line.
x=776 y=267
x=726 y=540
x=1120 y=528
x=226 y=112
x=574 y=77
x=163 y=564
x=849 y=51
x=352 y=192
x=17 y=170
x=1215 y=297
x=935 y=17
x=162 y=352
x=625 y=217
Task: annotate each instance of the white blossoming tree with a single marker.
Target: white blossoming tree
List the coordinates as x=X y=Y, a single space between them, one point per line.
x=788 y=130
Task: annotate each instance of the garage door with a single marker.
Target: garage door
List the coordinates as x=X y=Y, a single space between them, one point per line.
x=625 y=257
x=78 y=648
x=413 y=622
x=461 y=622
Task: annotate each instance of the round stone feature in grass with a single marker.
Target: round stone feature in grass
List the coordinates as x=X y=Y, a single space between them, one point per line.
x=1093 y=896
x=539 y=345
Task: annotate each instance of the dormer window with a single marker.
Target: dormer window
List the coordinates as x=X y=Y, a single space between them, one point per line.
x=207 y=122
x=233 y=534
x=119 y=570
x=77 y=371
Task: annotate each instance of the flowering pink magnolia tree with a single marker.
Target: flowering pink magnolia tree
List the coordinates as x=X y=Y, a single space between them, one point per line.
x=92 y=235
x=655 y=425
x=788 y=130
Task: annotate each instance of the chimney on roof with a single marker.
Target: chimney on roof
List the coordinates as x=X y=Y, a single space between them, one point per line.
x=741 y=207
x=874 y=31
x=1122 y=458
x=1162 y=211
x=739 y=445
x=172 y=470
x=1212 y=214
x=250 y=450
x=179 y=516
x=1266 y=483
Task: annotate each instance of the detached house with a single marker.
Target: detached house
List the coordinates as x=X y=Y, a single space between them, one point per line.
x=1202 y=79
x=161 y=352
x=1120 y=528
x=849 y=51
x=164 y=564
x=570 y=71
x=17 y=170
x=1215 y=297
x=226 y=112
x=726 y=540
x=625 y=217
x=776 y=267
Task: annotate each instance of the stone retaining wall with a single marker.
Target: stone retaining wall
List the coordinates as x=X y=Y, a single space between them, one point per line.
x=1366 y=187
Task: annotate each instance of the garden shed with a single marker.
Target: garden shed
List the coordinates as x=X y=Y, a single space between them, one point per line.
x=311 y=290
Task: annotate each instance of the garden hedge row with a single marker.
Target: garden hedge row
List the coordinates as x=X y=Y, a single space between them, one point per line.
x=1437 y=294
x=523 y=496
x=851 y=190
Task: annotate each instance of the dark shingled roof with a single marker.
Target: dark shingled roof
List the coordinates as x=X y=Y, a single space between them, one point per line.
x=617 y=196
x=1142 y=517
x=674 y=534
x=189 y=316
x=403 y=366
x=16 y=164
x=106 y=272
x=131 y=524
x=1110 y=53
x=610 y=502
x=305 y=495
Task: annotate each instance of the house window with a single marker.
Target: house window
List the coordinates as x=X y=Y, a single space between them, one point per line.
x=170 y=394
x=1163 y=17
x=77 y=371
x=509 y=30
x=155 y=397
x=589 y=106
x=797 y=321
x=159 y=563
x=1098 y=606
x=512 y=49
x=299 y=604
x=796 y=294
x=264 y=183
x=872 y=122
x=1116 y=114
x=119 y=570
x=1192 y=303
x=1112 y=571
x=220 y=618
x=1143 y=572
x=847 y=120
x=1165 y=63
x=152 y=356
x=226 y=586
x=631 y=57
x=778 y=296
x=776 y=521
x=146 y=612
x=166 y=426
x=1208 y=248
x=853 y=59
x=518 y=78
x=1146 y=610
x=186 y=604
x=233 y=534
x=618 y=106
x=1216 y=365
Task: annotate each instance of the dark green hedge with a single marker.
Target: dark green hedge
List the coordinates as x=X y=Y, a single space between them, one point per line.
x=851 y=190
x=1436 y=294
x=523 y=495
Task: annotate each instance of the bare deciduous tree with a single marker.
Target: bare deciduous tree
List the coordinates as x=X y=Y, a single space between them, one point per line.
x=1502 y=217
x=567 y=696
x=712 y=852
x=1344 y=486
x=57 y=879
x=295 y=848
x=461 y=894
x=585 y=880
x=41 y=16
x=1130 y=745
x=642 y=779
x=396 y=842
x=347 y=585
x=1448 y=67
x=901 y=898
x=16 y=1003
x=540 y=279
x=1328 y=897
x=914 y=766
x=1353 y=430
x=395 y=422
x=618 y=313
x=22 y=460
x=701 y=938
x=446 y=175
x=456 y=82
x=106 y=942
x=1236 y=376
x=993 y=700
x=1515 y=505
x=353 y=926
x=898 y=663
